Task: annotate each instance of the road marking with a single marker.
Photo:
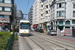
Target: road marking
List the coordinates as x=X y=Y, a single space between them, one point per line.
x=58 y=48
x=65 y=39
x=32 y=44
x=54 y=48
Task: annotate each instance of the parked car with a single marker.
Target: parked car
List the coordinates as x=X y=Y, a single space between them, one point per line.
x=41 y=30
x=52 y=32
x=37 y=29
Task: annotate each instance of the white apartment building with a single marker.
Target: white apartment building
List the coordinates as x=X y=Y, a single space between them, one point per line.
x=41 y=13
x=45 y=14
x=36 y=12
x=62 y=15
x=30 y=15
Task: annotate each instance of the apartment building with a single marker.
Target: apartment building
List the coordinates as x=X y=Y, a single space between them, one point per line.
x=36 y=13
x=30 y=15
x=41 y=13
x=62 y=15
x=6 y=14
x=45 y=14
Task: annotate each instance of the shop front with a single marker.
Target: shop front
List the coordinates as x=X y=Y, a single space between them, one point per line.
x=4 y=25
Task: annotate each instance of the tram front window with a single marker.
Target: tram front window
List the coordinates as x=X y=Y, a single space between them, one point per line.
x=24 y=26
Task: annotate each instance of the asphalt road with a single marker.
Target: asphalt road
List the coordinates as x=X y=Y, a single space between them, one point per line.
x=39 y=41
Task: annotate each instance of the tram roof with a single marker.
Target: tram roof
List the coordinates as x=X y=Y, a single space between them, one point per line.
x=27 y=21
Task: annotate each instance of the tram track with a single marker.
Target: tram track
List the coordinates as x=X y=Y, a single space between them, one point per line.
x=58 y=43
x=37 y=44
x=30 y=43
x=48 y=45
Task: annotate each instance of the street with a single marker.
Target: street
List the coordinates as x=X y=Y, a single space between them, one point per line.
x=45 y=42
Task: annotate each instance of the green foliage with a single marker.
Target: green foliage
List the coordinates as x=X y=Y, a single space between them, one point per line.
x=3 y=39
x=15 y=36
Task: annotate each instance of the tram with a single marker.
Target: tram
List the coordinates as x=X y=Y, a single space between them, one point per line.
x=24 y=27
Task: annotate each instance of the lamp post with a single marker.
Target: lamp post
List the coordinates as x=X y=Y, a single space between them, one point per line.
x=13 y=15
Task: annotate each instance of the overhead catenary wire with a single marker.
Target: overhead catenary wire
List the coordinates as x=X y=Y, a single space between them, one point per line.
x=27 y=7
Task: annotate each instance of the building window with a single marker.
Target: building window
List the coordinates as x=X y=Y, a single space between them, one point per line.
x=1 y=16
x=0 y=8
x=1 y=1
x=73 y=5
x=57 y=0
x=61 y=5
x=67 y=22
x=46 y=6
x=73 y=21
x=41 y=14
x=56 y=22
x=60 y=22
x=57 y=13
x=7 y=9
x=7 y=1
x=42 y=0
x=46 y=12
x=46 y=17
x=73 y=13
x=41 y=5
x=61 y=13
x=6 y=16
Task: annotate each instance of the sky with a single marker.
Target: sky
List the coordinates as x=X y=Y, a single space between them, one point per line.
x=24 y=6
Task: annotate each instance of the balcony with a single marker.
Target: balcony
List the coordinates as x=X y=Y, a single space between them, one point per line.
x=5 y=5
x=5 y=13
x=59 y=17
x=59 y=1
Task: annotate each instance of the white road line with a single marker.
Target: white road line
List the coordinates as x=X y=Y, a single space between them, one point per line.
x=55 y=48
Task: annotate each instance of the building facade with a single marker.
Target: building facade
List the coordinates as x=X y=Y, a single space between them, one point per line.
x=30 y=15
x=41 y=13
x=36 y=12
x=62 y=15
x=54 y=14
x=45 y=14
x=6 y=17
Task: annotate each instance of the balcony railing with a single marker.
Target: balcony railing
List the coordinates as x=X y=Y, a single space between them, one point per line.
x=60 y=0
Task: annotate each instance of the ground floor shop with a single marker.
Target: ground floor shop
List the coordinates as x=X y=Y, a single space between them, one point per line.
x=45 y=26
x=66 y=25
x=5 y=27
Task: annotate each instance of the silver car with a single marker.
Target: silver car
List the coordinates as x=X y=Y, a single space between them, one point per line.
x=51 y=32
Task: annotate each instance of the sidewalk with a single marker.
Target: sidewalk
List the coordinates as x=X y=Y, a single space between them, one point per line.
x=66 y=36
x=15 y=46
